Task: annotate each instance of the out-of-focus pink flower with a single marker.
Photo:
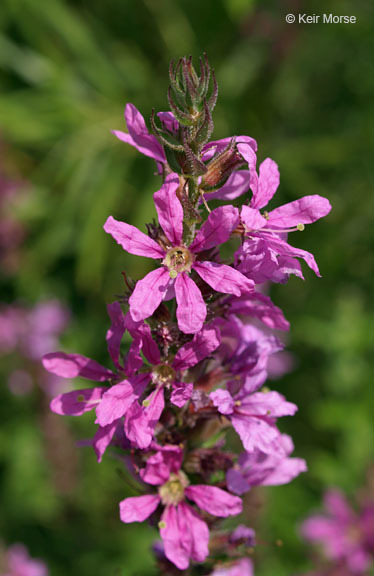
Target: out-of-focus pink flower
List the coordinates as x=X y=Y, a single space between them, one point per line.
x=19 y=563
x=30 y=333
x=342 y=533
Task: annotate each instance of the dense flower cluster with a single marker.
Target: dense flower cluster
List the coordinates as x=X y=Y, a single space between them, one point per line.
x=201 y=330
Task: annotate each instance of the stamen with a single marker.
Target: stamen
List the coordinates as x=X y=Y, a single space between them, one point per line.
x=299 y=228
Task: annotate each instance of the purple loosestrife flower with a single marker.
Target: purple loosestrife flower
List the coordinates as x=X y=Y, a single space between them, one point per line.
x=342 y=533
x=265 y=254
x=185 y=535
x=125 y=390
x=141 y=420
x=19 y=563
x=253 y=415
x=127 y=386
x=179 y=260
x=262 y=469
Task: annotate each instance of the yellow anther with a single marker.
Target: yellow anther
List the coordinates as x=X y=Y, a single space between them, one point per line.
x=162 y=524
x=300 y=227
x=146 y=403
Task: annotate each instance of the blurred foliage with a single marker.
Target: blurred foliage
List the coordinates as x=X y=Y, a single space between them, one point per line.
x=305 y=92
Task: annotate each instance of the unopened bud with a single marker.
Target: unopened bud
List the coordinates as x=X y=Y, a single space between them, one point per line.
x=221 y=167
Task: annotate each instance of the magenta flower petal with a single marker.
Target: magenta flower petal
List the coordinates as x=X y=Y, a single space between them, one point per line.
x=102 y=439
x=115 y=332
x=268 y=183
x=159 y=466
x=244 y=143
x=73 y=365
x=286 y=249
x=138 y=508
x=133 y=360
x=257 y=434
x=169 y=121
x=149 y=293
x=223 y=400
x=139 y=137
x=247 y=148
x=287 y=470
x=176 y=543
x=214 y=500
x=303 y=211
x=223 y=278
x=181 y=393
x=202 y=345
x=191 y=523
x=133 y=240
x=77 y=402
x=260 y=306
x=118 y=399
x=141 y=421
x=236 y=482
x=217 y=228
x=236 y=185
x=252 y=218
x=136 y=426
x=271 y=404
x=191 y=311
x=169 y=209
x=141 y=330
x=154 y=409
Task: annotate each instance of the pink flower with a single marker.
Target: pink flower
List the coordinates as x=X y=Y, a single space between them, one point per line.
x=127 y=386
x=125 y=390
x=179 y=260
x=262 y=469
x=341 y=533
x=253 y=415
x=19 y=563
x=141 y=420
x=265 y=254
x=185 y=535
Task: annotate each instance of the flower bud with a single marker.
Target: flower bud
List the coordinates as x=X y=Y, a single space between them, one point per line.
x=221 y=167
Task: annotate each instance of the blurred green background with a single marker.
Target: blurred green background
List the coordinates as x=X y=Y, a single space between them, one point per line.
x=305 y=93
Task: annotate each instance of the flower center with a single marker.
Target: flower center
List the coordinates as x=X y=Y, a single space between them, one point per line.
x=163 y=374
x=178 y=259
x=172 y=492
